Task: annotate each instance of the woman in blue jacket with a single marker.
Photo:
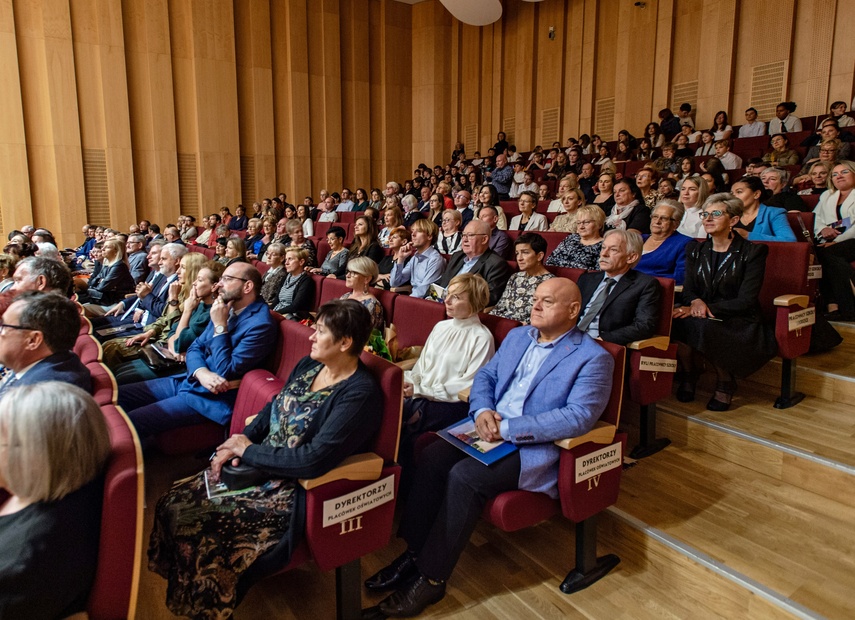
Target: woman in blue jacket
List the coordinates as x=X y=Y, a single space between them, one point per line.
x=759 y=222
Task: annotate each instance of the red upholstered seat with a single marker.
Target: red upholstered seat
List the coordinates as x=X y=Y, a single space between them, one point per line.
x=321 y=229
x=415 y=318
x=811 y=200
x=261 y=266
x=114 y=591
x=498 y=326
x=571 y=273
x=332 y=289
x=348 y=217
x=104 y=389
x=87 y=349
x=320 y=281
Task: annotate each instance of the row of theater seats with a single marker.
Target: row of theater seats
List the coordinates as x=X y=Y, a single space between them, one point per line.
x=114 y=593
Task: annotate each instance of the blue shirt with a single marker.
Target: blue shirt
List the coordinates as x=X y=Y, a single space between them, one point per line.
x=345 y=205
x=511 y=403
x=424 y=269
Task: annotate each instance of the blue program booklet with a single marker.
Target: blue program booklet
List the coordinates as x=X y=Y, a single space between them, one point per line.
x=463 y=436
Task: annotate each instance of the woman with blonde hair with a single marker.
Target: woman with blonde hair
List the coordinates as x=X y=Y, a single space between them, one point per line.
x=54 y=445
x=693 y=194
x=572 y=200
x=360 y=276
x=113 y=281
x=581 y=250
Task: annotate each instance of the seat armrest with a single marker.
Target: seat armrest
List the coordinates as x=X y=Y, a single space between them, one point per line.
x=792 y=300
x=601 y=433
x=678 y=288
x=366 y=466
x=407 y=364
x=402 y=290
x=249 y=420
x=657 y=342
x=463 y=394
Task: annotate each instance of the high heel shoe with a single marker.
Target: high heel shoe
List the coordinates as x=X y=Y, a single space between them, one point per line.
x=726 y=389
x=686 y=392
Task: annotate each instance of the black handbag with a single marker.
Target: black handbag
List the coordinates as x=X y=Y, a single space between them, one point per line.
x=157 y=362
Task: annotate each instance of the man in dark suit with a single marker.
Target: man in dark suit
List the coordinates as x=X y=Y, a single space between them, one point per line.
x=137 y=257
x=37 y=334
x=476 y=257
x=619 y=304
x=239 y=338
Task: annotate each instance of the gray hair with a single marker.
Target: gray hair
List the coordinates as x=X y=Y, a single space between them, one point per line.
x=364 y=266
x=175 y=250
x=731 y=203
x=57 y=275
x=677 y=209
x=632 y=242
x=48 y=250
x=54 y=440
x=783 y=175
x=410 y=201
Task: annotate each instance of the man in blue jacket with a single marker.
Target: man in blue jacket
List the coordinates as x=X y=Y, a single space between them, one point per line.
x=239 y=338
x=548 y=381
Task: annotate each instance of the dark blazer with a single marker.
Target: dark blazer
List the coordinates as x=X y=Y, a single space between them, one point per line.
x=111 y=284
x=490 y=266
x=631 y=310
x=411 y=217
x=63 y=366
x=138 y=262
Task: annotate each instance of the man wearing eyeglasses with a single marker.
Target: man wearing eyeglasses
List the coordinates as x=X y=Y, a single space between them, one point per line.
x=36 y=341
x=477 y=257
x=137 y=257
x=239 y=338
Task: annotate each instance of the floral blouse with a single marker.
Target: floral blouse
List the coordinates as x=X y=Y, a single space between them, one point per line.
x=572 y=253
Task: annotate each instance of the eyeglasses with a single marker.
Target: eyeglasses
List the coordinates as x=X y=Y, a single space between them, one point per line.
x=584 y=222
x=661 y=218
x=470 y=235
x=354 y=273
x=225 y=277
x=3 y=327
x=845 y=171
x=711 y=214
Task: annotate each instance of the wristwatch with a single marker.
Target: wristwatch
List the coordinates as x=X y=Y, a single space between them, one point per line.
x=219 y=330
x=172 y=302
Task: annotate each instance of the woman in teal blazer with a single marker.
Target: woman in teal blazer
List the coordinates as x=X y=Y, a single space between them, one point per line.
x=760 y=222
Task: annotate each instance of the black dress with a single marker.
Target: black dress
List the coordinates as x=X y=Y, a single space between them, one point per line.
x=729 y=283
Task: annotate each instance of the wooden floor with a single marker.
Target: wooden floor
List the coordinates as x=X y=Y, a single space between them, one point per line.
x=765 y=495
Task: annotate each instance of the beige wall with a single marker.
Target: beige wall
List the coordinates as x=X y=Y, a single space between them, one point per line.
x=115 y=110
x=511 y=73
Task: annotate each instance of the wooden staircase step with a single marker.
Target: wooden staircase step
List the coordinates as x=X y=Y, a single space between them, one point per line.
x=795 y=542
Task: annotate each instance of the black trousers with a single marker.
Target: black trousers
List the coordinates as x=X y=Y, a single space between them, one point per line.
x=449 y=492
x=837 y=274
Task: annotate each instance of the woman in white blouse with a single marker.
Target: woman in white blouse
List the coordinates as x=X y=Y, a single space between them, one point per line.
x=528 y=219
x=455 y=351
x=693 y=194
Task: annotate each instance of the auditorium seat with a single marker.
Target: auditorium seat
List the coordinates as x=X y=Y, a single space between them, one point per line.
x=261 y=266
x=104 y=388
x=332 y=289
x=499 y=326
x=88 y=349
x=632 y=167
x=348 y=217
x=811 y=200
x=323 y=249
x=414 y=319
x=114 y=591
x=806 y=219
x=320 y=281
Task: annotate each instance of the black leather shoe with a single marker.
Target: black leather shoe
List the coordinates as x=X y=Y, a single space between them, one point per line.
x=396 y=574
x=686 y=392
x=413 y=598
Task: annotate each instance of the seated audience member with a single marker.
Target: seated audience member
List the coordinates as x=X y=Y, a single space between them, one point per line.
x=755 y=166
x=667 y=188
x=781 y=153
x=172 y=235
x=693 y=194
x=833 y=227
x=121 y=349
x=619 y=304
x=728 y=159
x=707 y=145
x=393 y=219
x=434 y=211
x=487 y=196
x=776 y=180
x=528 y=219
x=82 y=252
x=683 y=146
x=605 y=191
x=476 y=257
x=360 y=202
x=113 y=281
x=327 y=411
x=38 y=332
x=499 y=241
x=720 y=127
x=220 y=252
x=225 y=216
x=455 y=350
x=581 y=250
x=461 y=205
x=543 y=193
x=411 y=210
x=759 y=222
x=667 y=164
x=827 y=155
x=838 y=113
x=516 y=301
x=271 y=281
x=527 y=184
x=188 y=229
x=547 y=381
x=724 y=275
x=671 y=124
x=629 y=211
x=239 y=221
x=365 y=241
x=784 y=121
x=327 y=208
x=362 y=274
x=304 y=215
x=35 y=273
x=263 y=237
x=686 y=170
x=603 y=159
x=137 y=257
x=752 y=127
x=209 y=236
x=54 y=445
x=570 y=203
x=690 y=134
x=297 y=291
x=240 y=336
x=397 y=239
x=335 y=262
x=564 y=186
x=7 y=268
x=449 y=237
x=419 y=264
x=645 y=179
x=296 y=239
x=829 y=133
x=816 y=181
x=664 y=250
x=235 y=251
x=715 y=174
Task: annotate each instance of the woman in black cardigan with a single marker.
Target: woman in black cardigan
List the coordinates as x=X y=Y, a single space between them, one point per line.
x=297 y=291
x=113 y=281
x=721 y=319
x=327 y=411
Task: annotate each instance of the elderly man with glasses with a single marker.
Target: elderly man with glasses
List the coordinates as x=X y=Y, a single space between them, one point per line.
x=477 y=257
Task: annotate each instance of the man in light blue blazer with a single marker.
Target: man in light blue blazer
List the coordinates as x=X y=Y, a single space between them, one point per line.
x=239 y=338
x=548 y=381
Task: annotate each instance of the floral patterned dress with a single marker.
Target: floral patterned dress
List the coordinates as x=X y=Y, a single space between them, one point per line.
x=572 y=253
x=202 y=546
x=516 y=301
x=373 y=305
